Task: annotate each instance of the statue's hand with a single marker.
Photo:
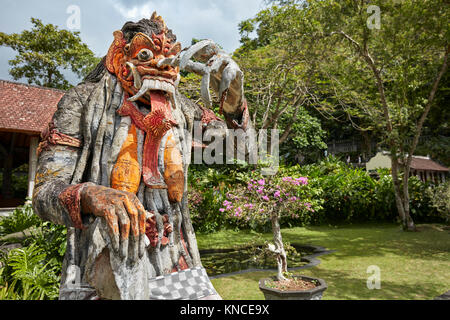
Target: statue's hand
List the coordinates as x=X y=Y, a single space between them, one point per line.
x=123 y=213
x=219 y=71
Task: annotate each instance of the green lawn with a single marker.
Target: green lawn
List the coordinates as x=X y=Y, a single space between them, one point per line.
x=413 y=265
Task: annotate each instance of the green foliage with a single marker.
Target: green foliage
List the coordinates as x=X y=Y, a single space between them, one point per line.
x=44 y=51
x=279 y=86
x=51 y=239
x=440 y=198
x=27 y=275
x=324 y=55
x=21 y=219
x=19 y=181
x=338 y=194
x=352 y=195
x=208 y=188
x=33 y=271
x=437 y=147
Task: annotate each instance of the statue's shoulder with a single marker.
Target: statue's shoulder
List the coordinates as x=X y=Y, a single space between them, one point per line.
x=188 y=106
x=73 y=105
x=91 y=84
x=78 y=95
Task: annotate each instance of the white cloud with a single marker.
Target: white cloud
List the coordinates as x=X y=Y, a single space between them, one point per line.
x=196 y=19
x=202 y=19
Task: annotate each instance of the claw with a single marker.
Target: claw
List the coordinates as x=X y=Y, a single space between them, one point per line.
x=192 y=51
x=174 y=62
x=217 y=61
x=142 y=245
x=228 y=75
x=123 y=249
x=196 y=67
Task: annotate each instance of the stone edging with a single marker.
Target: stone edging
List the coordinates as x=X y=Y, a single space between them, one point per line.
x=311 y=259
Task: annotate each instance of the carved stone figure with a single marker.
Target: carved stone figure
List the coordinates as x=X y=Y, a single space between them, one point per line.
x=113 y=166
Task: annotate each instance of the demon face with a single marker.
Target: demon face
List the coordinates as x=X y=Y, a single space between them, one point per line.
x=134 y=55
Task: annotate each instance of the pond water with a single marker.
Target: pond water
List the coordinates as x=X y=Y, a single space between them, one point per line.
x=223 y=261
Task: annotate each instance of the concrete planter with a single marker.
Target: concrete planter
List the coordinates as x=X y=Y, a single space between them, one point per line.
x=312 y=294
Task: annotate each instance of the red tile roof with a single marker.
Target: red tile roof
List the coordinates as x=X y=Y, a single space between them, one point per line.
x=419 y=163
x=26 y=108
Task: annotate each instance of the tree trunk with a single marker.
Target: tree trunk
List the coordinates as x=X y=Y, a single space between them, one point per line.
x=408 y=224
x=402 y=196
x=279 y=246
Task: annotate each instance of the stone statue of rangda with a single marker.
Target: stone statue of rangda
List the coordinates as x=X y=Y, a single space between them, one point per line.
x=113 y=166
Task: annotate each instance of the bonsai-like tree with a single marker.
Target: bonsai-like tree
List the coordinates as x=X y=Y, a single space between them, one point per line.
x=271 y=200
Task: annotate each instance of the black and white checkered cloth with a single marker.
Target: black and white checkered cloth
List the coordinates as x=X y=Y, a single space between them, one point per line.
x=191 y=284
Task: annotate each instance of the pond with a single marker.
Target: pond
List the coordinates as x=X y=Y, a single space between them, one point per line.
x=224 y=261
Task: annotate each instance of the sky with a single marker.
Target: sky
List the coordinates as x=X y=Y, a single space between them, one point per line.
x=98 y=19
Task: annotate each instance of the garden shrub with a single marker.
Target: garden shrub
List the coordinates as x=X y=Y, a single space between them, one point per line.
x=348 y=195
x=21 y=219
x=251 y=206
x=441 y=200
x=32 y=272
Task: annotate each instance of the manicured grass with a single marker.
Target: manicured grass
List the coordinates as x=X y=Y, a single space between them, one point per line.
x=414 y=266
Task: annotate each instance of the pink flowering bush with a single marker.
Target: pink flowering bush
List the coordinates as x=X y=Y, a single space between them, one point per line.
x=271 y=200
x=253 y=204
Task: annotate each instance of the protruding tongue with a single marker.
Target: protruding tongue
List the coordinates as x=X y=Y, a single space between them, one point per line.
x=160 y=105
x=158 y=100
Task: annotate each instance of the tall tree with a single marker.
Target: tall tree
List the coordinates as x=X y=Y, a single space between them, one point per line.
x=45 y=51
x=279 y=84
x=386 y=73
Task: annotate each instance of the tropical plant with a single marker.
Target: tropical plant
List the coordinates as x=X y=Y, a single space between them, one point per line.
x=441 y=199
x=21 y=219
x=27 y=275
x=32 y=272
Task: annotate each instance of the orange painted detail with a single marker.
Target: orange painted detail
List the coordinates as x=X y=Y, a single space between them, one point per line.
x=115 y=54
x=126 y=175
x=174 y=173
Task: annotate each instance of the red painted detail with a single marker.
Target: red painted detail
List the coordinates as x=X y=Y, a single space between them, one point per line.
x=51 y=136
x=71 y=200
x=155 y=125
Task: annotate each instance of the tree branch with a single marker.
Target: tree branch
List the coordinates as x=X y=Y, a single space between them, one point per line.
x=428 y=106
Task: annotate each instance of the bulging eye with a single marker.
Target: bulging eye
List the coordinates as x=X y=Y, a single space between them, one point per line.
x=145 y=55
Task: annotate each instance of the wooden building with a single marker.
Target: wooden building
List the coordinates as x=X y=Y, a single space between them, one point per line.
x=424 y=168
x=25 y=111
